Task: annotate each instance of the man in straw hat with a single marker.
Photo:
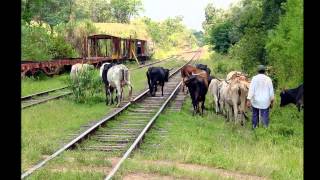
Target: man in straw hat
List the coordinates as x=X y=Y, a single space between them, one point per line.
x=260 y=96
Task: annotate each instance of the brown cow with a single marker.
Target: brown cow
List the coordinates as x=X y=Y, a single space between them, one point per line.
x=189 y=70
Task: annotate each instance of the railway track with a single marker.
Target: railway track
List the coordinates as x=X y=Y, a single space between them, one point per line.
x=42 y=97
x=128 y=129
x=34 y=99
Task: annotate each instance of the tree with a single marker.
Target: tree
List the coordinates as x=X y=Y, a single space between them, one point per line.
x=123 y=10
x=219 y=37
x=52 y=12
x=285 y=45
x=271 y=12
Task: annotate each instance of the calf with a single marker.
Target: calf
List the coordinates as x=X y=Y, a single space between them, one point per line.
x=294 y=96
x=157 y=75
x=198 y=90
x=118 y=76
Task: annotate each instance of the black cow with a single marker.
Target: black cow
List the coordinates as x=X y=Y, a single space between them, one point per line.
x=104 y=70
x=198 y=90
x=204 y=67
x=157 y=75
x=294 y=96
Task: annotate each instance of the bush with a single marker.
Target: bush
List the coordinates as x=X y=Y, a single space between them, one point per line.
x=39 y=44
x=86 y=87
x=75 y=32
x=59 y=48
x=35 y=43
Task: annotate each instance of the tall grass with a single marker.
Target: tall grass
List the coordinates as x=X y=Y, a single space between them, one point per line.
x=86 y=87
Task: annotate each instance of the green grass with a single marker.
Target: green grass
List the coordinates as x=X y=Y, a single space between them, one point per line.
x=44 y=126
x=275 y=153
x=35 y=85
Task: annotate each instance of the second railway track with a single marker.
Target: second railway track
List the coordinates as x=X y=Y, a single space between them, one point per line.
x=127 y=128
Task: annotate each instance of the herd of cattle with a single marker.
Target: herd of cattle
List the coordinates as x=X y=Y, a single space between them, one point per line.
x=229 y=94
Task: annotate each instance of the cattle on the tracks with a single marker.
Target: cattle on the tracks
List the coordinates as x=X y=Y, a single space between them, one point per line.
x=213 y=89
x=118 y=76
x=294 y=96
x=79 y=68
x=198 y=89
x=188 y=70
x=103 y=74
x=155 y=76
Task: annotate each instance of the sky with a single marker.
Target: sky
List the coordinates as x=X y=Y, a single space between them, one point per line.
x=191 y=10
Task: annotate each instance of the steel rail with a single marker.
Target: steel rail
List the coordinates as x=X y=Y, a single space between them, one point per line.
x=91 y=129
x=42 y=93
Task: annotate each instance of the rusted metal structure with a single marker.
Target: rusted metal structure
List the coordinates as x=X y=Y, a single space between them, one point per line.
x=98 y=48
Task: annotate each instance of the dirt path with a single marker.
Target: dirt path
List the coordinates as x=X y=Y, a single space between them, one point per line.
x=191 y=167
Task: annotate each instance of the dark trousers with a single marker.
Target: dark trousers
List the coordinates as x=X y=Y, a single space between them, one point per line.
x=264 y=115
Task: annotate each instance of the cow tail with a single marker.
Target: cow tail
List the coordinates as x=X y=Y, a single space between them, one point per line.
x=126 y=75
x=149 y=80
x=239 y=91
x=122 y=75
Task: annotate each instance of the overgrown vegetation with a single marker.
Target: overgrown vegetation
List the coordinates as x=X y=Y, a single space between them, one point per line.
x=86 y=87
x=169 y=35
x=256 y=32
x=56 y=29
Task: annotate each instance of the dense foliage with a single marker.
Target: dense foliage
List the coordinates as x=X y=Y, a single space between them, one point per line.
x=256 y=32
x=170 y=34
x=55 y=29
x=86 y=87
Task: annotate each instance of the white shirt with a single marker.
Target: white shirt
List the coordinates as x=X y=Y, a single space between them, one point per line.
x=261 y=91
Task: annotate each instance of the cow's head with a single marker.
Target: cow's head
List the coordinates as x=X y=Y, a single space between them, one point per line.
x=285 y=98
x=166 y=75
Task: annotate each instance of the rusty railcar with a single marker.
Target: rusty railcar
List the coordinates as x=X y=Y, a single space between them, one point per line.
x=98 y=48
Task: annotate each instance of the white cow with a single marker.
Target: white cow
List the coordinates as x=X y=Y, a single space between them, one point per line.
x=118 y=76
x=77 y=68
x=235 y=99
x=214 y=91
